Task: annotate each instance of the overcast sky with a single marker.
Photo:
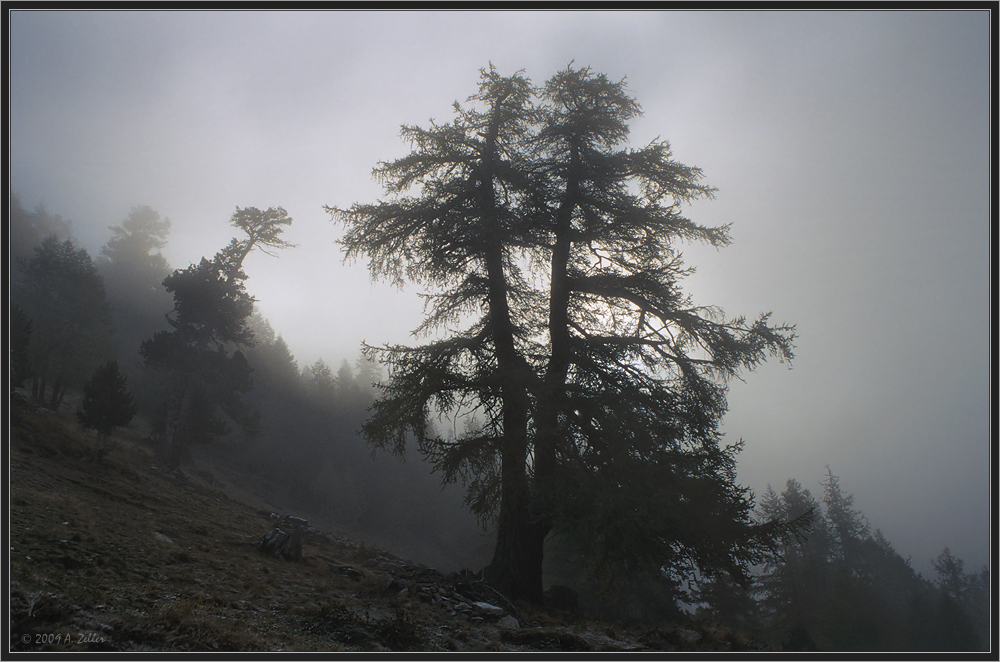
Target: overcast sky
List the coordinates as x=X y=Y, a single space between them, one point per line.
x=850 y=149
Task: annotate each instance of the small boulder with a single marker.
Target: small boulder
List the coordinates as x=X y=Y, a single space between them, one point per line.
x=287 y=546
x=488 y=609
x=508 y=622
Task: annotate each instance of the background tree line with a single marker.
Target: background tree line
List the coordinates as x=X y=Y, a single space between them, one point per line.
x=839 y=586
x=294 y=429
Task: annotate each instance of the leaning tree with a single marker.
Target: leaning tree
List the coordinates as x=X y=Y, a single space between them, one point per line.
x=597 y=383
x=203 y=354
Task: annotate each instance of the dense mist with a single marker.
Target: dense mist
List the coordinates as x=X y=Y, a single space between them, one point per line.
x=849 y=151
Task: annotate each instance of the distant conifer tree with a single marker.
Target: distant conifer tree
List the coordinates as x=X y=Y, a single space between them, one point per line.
x=107 y=403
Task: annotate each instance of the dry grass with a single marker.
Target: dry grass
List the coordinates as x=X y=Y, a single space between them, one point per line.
x=113 y=555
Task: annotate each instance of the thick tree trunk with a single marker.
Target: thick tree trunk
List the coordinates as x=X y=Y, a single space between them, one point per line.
x=552 y=395
x=516 y=568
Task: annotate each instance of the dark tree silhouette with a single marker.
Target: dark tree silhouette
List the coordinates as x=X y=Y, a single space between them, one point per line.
x=840 y=587
x=599 y=383
x=204 y=353
x=106 y=404
x=63 y=296
x=133 y=271
x=319 y=381
x=632 y=387
x=20 y=340
x=27 y=229
x=957 y=606
x=796 y=578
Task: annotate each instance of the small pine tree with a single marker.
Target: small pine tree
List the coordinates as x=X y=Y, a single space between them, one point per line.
x=107 y=403
x=20 y=340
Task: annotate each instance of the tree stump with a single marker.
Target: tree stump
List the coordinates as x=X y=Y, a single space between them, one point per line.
x=285 y=540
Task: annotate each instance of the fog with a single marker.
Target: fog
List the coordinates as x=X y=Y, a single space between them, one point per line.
x=850 y=151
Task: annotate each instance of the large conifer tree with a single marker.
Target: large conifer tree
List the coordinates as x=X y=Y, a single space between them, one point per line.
x=599 y=384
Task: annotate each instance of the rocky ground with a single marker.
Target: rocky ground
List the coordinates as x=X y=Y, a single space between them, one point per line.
x=118 y=555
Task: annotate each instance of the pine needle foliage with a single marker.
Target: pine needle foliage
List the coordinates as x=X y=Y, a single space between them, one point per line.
x=558 y=321
x=203 y=354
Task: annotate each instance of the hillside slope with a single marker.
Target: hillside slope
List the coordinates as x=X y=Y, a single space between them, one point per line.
x=118 y=555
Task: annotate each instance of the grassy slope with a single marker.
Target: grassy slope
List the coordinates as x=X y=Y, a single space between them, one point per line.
x=119 y=556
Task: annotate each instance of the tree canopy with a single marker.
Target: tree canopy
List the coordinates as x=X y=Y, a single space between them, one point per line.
x=133 y=271
x=106 y=403
x=204 y=351
x=62 y=295
x=27 y=229
x=598 y=385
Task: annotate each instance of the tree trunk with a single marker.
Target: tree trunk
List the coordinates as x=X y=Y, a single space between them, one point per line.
x=172 y=444
x=62 y=394
x=54 y=400
x=102 y=446
x=516 y=568
x=42 y=388
x=551 y=397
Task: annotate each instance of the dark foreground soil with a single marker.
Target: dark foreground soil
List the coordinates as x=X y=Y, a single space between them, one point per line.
x=118 y=555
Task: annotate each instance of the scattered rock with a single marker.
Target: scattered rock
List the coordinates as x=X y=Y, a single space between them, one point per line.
x=488 y=609
x=388 y=582
x=286 y=539
x=508 y=623
x=350 y=571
